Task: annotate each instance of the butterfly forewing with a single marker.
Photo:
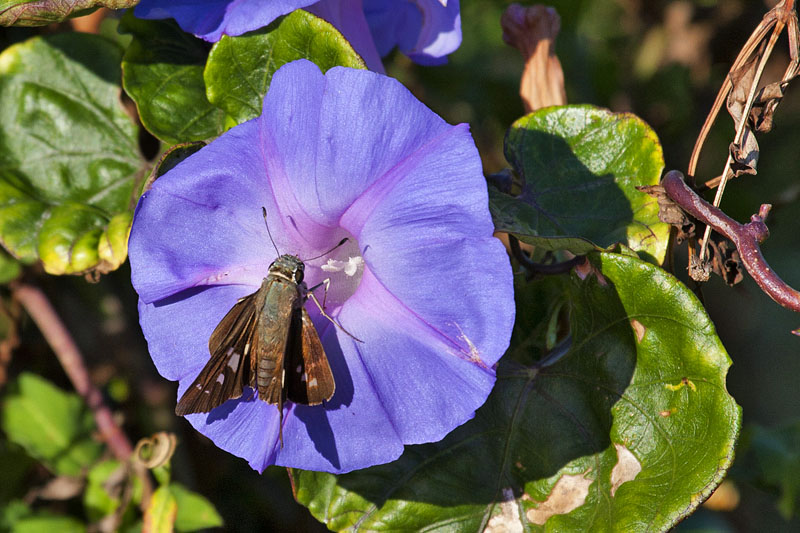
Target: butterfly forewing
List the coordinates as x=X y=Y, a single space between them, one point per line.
x=229 y=369
x=309 y=377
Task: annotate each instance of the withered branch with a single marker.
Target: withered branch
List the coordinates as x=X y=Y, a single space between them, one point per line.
x=746 y=237
x=750 y=107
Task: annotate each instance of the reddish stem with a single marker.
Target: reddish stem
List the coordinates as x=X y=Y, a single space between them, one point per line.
x=41 y=311
x=746 y=237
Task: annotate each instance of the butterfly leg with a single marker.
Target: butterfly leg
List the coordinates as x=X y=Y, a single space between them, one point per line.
x=326 y=315
x=327 y=283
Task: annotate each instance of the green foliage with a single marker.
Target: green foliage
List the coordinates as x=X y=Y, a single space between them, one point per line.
x=628 y=430
x=47 y=523
x=10 y=268
x=163 y=73
x=240 y=69
x=53 y=426
x=69 y=154
x=160 y=514
x=581 y=166
x=770 y=460
x=15 y=466
x=41 y=12
x=195 y=512
x=105 y=490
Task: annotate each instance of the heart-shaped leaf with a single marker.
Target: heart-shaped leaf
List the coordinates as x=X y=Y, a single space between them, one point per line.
x=163 y=74
x=581 y=166
x=628 y=429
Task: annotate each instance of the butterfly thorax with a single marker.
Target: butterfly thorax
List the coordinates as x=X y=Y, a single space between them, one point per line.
x=287 y=267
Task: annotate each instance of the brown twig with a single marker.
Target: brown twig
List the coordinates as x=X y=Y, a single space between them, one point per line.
x=41 y=311
x=746 y=237
x=742 y=128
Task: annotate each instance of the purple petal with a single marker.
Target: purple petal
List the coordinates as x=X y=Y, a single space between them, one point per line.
x=247 y=428
x=424 y=30
x=309 y=123
x=201 y=223
x=211 y=19
x=347 y=16
x=178 y=328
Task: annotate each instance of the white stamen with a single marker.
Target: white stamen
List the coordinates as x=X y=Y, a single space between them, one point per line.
x=349 y=267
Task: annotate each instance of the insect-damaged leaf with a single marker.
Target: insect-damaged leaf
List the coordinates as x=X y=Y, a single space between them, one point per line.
x=629 y=431
x=42 y=12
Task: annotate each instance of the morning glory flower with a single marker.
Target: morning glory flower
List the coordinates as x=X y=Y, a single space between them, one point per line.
x=425 y=30
x=422 y=283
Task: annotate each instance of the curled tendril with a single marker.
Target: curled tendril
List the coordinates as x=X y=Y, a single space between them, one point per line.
x=155 y=451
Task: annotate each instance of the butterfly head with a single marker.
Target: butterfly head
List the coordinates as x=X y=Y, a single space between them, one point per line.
x=289 y=267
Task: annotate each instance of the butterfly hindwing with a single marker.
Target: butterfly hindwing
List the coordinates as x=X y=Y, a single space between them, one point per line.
x=309 y=377
x=228 y=370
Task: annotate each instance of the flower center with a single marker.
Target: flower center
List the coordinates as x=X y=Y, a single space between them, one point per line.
x=344 y=267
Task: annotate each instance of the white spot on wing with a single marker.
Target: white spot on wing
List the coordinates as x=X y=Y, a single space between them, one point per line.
x=221 y=379
x=313 y=383
x=299 y=368
x=233 y=362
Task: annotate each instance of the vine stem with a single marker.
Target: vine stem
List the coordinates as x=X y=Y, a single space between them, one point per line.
x=746 y=237
x=34 y=301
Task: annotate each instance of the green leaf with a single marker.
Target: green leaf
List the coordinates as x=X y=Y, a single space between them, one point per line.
x=581 y=166
x=40 y=13
x=160 y=514
x=163 y=73
x=15 y=465
x=101 y=482
x=12 y=513
x=239 y=69
x=628 y=431
x=69 y=154
x=47 y=523
x=51 y=425
x=10 y=268
x=769 y=458
x=194 y=511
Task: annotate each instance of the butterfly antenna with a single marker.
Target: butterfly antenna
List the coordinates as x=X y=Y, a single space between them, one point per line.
x=264 y=212
x=329 y=251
